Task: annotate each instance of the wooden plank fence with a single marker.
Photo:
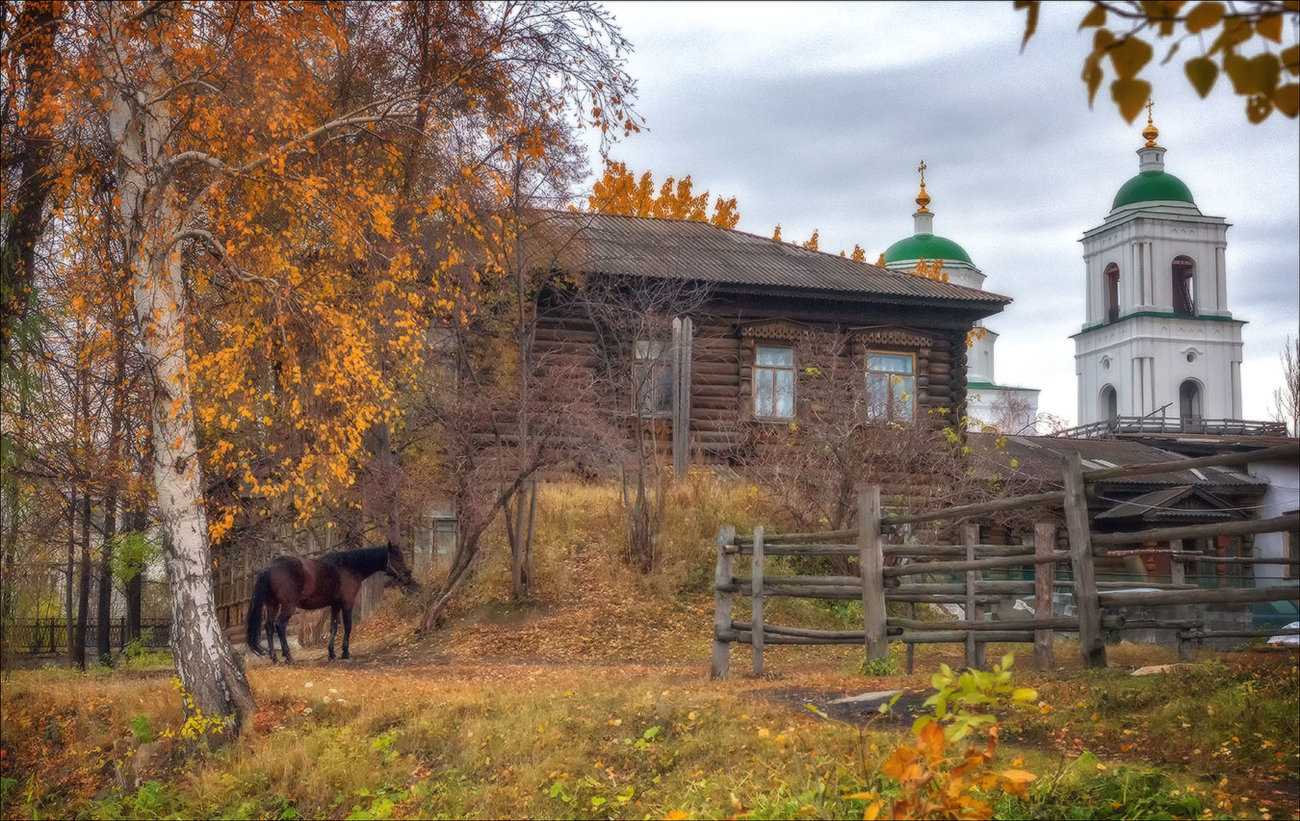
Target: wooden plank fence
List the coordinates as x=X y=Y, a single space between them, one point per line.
x=878 y=583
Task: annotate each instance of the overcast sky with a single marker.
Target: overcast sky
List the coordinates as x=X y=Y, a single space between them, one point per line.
x=815 y=117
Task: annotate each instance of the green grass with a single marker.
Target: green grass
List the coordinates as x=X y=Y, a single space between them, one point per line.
x=573 y=742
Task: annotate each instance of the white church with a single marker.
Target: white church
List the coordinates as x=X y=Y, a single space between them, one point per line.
x=1009 y=408
x=1159 y=350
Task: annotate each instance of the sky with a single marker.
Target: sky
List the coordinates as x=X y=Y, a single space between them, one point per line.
x=815 y=116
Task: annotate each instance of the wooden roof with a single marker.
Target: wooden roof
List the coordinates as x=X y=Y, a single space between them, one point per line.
x=616 y=245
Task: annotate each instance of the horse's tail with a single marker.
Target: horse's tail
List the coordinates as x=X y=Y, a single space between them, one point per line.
x=261 y=589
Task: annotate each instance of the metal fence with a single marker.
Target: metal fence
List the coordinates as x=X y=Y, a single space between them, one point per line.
x=35 y=636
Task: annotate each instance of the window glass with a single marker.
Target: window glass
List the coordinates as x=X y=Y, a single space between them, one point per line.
x=891 y=386
x=774 y=383
x=653 y=375
x=1184 y=282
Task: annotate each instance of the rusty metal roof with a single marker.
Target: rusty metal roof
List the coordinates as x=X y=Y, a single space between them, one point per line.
x=698 y=251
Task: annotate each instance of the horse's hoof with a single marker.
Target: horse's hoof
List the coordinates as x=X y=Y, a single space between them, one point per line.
x=346 y=656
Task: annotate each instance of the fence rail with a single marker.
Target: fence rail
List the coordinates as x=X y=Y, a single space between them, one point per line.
x=1175 y=424
x=51 y=635
x=1095 y=601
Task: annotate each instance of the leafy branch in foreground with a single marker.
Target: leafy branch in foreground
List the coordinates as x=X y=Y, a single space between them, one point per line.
x=1236 y=39
x=935 y=778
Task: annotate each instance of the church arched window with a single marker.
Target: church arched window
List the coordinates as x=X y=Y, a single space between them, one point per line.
x=1111 y=276
x=1184 y=279
x=1189 y=404
x=1109 y=405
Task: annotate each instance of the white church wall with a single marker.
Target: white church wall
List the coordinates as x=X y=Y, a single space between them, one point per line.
x=1282 y=496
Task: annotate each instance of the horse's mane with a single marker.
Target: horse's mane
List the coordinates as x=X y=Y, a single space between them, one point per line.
x=363 y=560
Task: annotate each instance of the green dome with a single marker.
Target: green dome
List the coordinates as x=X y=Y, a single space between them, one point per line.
x=926 y=246
x=1152 y=186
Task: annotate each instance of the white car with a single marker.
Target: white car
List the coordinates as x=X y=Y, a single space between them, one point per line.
x=1294 y=639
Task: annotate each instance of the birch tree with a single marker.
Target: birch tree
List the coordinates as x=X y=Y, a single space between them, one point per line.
x=269 y=204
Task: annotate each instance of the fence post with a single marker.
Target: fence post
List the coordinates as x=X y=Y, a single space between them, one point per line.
x=1044 y=575
x=911 y=647
x=756 y=602
x=1086 y=604
x=975 y=655
x=1182 y=612
x=722 y=603
x=871 y=564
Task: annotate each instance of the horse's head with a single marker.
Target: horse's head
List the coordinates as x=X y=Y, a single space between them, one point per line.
x=398 y=569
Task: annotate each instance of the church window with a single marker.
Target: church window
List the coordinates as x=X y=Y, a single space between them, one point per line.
x=891 y=386
x=652 y=374
x=1112 y=292
x=1184 y=280
x=1189 y=403
x=1109 y=405
x=774 y=383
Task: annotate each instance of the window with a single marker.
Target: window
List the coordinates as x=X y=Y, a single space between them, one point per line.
x=652 y=375
x=1184 y=279
x=891 y=385
x=1189 y=404
x=1112 y=292
x=774 y=383
x=1109 y=405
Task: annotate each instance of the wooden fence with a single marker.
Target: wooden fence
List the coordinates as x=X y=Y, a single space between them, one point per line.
x=879 y=582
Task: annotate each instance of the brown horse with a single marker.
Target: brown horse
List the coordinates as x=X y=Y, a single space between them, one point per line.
x=291 y=583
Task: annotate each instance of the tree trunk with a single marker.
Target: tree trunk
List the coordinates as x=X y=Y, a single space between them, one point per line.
x=32 y=39
x=135 y=585
x=212 y=675
x=115 y=474
x=77 y=652
x=103 y=612
x=70 y=572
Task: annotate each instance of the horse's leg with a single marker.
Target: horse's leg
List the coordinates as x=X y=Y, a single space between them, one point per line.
x=282 y=627
x=272 y=613
x=347 y=628
x=334 y=628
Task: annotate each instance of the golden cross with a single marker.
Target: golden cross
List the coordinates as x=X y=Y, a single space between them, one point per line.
x=921 y=168
x=1149 y=104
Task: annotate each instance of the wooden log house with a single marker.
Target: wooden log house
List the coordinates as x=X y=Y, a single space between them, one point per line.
x=733 y=354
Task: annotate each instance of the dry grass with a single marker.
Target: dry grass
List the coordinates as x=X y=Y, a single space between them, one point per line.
x=592 y=701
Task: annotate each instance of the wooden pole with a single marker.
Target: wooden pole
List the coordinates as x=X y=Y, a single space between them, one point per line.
x=683 y=331
x=756 y=602
x=1178 y=575
x=1223 y=595
x=1051 y=498
x=925 y=568
x=723 y=600
x=970 y=536
x=871 y=564
x=1044 y=543
x=911 y=648
x=1278 y=524
x=1091 y=644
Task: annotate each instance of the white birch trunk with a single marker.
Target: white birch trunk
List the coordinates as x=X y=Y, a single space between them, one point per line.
x=212 y=674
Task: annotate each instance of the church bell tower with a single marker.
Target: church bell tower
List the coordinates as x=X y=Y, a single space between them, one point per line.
x=1158 y=342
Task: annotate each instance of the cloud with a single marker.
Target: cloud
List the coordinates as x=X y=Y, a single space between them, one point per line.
x=816 y=116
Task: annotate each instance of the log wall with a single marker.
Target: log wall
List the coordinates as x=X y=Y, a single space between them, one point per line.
x=722 y=349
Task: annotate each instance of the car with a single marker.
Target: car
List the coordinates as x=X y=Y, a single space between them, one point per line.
x=1287 y=638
